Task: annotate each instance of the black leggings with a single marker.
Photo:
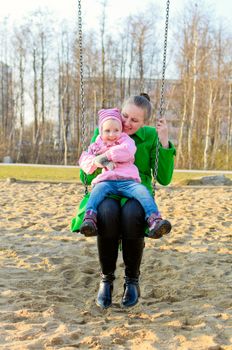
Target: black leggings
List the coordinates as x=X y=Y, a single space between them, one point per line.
x=126 y=222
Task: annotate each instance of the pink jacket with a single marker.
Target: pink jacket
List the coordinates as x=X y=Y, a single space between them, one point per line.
x=120 y=152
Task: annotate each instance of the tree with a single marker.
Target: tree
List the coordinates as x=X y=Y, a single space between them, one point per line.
x=64 y=94
x=20 y=44
x=103 y=59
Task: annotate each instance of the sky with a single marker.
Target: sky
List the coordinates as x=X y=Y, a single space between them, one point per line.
x=91 y=9
x=116 y=9
x=15 y=11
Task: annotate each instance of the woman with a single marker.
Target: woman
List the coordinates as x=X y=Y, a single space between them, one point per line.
x=125 y=219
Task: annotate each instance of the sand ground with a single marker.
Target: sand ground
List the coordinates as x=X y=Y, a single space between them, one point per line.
x=49 y=276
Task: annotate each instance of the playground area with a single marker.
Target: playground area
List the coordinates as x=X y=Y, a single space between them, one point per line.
x=49 y=276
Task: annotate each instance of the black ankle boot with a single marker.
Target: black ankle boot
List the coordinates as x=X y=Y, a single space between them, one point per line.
x=131 y=292
x=132 y=250
x=104 y=297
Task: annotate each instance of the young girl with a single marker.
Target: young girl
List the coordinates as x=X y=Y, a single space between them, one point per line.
x=114 y=151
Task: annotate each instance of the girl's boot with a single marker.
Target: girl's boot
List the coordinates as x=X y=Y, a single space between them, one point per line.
x=89 y=225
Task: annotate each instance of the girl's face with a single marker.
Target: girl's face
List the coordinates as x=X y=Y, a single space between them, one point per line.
x=132 y=118
x=111 y=130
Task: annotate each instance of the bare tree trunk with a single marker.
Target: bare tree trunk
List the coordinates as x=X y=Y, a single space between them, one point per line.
x=65 y=94
x=103 y=61
x=124 y=53
x=130 y=67
x=192 y=116
x=36 y=128
x=5 y=98
x=229 y=129
x=67 y=106
x=5 y=71
x=141 y=62
x=2 y=102
x=11 y=138
x=40 y=135
x=35 y=85
x=151 y=73
x=64 y=129
x=42 y=84
x=180 y=153
x=94 y=109
x=217 y=125
x=22 y=104
x=208 y=125
x=64 y=125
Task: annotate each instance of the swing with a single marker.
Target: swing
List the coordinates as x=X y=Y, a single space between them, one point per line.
x=77 y=221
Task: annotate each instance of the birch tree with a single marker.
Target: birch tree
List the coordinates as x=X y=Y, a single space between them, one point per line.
x=229 y=128
x=212 y=97
x=6 y=92
x=103 y=58
x=20 y=45
x=65 y=87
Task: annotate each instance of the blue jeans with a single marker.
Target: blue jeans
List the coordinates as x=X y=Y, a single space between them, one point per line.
x=123 y=188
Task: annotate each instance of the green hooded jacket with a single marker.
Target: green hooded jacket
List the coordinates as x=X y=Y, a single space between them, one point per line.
x=145 y=139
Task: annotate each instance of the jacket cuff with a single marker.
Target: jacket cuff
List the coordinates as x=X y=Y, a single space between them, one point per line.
x=171 y=149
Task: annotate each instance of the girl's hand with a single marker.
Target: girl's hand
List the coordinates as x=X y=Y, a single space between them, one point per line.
x=162 y=129
x=110 y=165
x=100 y=160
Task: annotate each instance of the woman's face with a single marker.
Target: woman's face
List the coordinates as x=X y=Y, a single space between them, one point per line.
x=132 y=118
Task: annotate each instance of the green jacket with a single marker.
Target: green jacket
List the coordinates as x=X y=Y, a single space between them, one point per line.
x=145 y=139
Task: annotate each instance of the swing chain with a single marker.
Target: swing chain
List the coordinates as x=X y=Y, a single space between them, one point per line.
x=82 y=97
x=161 y=109
x=156 y=166
x=161 y=112
x=81 y=77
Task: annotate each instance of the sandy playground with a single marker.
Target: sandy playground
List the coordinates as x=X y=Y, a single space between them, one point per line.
x=49 y=276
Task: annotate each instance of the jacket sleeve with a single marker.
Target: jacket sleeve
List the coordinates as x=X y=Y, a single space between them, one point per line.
x=89 y=177
x=122 y=153
x=165 y=162
x=86 y=162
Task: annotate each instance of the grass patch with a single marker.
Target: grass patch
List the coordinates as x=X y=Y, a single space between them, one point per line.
x=70 y=174
x=37 y=173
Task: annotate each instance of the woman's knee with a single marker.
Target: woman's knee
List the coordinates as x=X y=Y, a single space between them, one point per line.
x=108 y=218
x=133 y=219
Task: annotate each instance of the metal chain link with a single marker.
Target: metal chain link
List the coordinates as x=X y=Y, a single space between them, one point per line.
x=161 y=109
x=82 y=96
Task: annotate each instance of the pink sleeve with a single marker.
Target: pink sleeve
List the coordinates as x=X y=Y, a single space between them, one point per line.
x=124 y=152
x=86 y=162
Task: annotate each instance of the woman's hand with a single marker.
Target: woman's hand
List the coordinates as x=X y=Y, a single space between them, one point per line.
x=162 y=129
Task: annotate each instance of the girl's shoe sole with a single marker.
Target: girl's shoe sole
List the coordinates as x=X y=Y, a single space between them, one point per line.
x=164 y=228
x=88 y=230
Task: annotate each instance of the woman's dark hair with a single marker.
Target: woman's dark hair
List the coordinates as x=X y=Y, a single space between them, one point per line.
x=144 y=94
x=142 y=101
